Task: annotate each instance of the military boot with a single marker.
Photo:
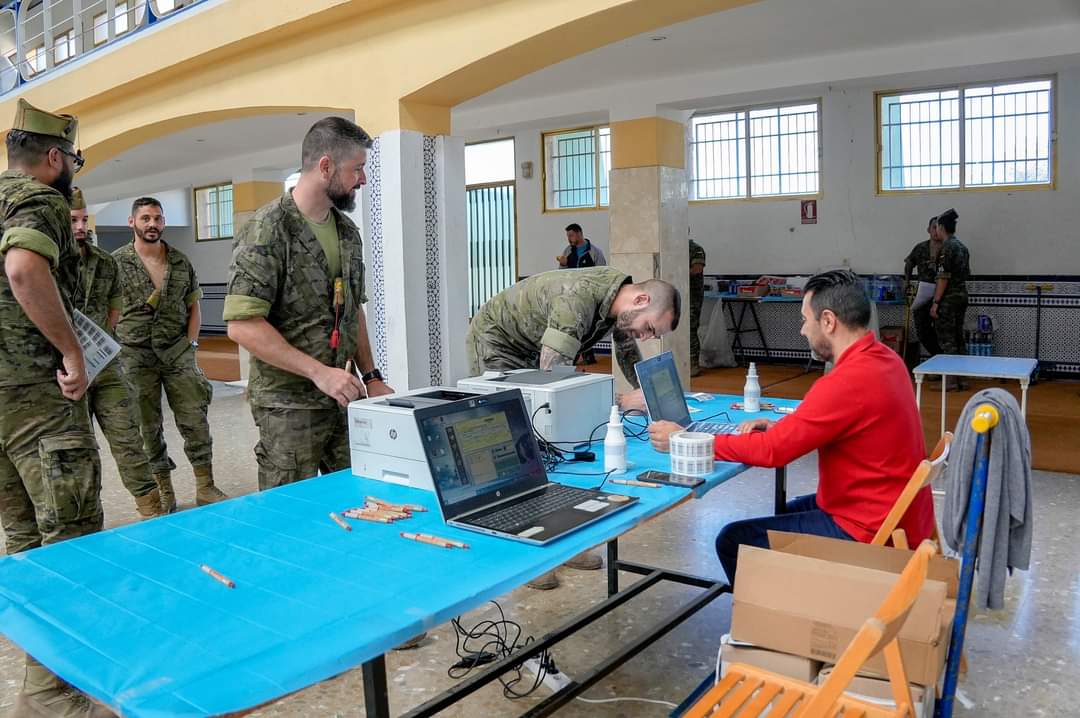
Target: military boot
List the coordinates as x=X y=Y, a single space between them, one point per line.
x=163 y=480
x=149 y=505
x=205 y=491
x=44 y=695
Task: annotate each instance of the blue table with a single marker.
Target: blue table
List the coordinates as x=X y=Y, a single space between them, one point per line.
x=1018 y=369
x=127 y=616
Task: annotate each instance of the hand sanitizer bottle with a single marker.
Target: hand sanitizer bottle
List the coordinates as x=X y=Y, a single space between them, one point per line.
x=752 y=391
x=615 y=444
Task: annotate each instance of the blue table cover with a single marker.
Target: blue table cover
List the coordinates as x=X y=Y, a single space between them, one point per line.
x=977 y=366
x=127 y=616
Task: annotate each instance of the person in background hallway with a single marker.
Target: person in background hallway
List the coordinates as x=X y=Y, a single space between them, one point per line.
x=111 y=399
x=923 y=260
x=159 y=335
x=950 y=296
x=579 y=254
x=697 y=298
x=860 y=417
x=50 y=473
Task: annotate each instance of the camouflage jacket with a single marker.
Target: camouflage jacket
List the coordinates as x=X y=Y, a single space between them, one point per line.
x=279 y=271
x=565 y=310
x=37 y=218
x=954 y=265
x=922 y=260
x=697 y=254
x=151 y=320
x=99 y=285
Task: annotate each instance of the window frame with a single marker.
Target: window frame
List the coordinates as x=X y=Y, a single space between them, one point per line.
x=596 y=206
x=195 y=209
x=747 y=109
x=67 y=41
x=961 y=87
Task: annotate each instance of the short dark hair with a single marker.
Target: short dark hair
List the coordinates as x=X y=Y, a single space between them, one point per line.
x=664 y=296
x=573 y=227
x=145 y=202
x=332 y=137
x=841 y=292
x=947 y=220
x=28 y=148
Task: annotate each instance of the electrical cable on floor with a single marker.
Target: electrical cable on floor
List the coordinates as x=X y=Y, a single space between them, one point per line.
x=618 y=699
x=495 y=644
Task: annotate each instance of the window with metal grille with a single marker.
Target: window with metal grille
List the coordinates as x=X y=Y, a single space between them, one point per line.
x=755 y=152
x=214 y=212
x=576 y=168
x=985 y=135
x=491 y=213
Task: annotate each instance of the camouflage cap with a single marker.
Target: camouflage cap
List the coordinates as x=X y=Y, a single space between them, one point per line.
x=77 y=199
x=31 y=119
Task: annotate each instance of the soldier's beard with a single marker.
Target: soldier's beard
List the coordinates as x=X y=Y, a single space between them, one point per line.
x=63 y=183
x=625 y=319
x=148 y=235
x=341 y=196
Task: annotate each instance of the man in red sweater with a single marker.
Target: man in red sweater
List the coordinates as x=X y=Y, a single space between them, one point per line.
x=860 y=417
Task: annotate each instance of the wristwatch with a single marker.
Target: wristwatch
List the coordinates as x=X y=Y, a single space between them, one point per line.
x=373 y=375
x=194 y=343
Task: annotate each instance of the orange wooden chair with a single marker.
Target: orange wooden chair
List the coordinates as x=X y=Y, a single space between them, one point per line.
x=748 y=691
x=925 y=473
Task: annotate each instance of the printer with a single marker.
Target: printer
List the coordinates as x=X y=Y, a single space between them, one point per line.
x=384 y=441
x=576 y=402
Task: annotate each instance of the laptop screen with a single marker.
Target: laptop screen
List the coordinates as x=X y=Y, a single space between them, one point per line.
x=480 y=450
x=662 y=389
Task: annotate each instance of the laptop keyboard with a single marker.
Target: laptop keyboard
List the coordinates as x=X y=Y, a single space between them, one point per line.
x=555 y=497
x=713 y=427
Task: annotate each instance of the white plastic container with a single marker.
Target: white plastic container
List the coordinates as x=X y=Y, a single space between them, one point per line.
x=752 y=391
x=615 y=444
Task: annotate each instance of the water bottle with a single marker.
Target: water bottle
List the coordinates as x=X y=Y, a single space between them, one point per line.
x=615 y=444
x=752 y=391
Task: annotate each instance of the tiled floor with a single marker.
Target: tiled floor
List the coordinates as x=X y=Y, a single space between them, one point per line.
x=1021 y=658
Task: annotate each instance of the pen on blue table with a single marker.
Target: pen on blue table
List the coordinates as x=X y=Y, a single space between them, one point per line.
x=229 y=583
x=395 y=507
x=634 y=482
x=340 y=521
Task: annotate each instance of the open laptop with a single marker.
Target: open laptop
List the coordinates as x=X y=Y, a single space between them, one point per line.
x=489 y=477
x=664 y=396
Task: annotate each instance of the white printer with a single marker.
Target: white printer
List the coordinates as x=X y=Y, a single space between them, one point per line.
x=577 y=402
x=384 y=440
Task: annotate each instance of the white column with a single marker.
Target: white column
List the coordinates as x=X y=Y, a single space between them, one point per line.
x=417 y=258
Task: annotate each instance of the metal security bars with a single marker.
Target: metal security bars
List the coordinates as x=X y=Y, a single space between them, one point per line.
x=756 y=152
x=492 y=227
x=576 y=168
x=978 y=136
x=214 y=212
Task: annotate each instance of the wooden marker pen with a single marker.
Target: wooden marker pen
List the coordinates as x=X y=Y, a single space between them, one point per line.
x=634 y=482
x=340 y=521
x=422 y=538
x=228 y=582
x=452 y=542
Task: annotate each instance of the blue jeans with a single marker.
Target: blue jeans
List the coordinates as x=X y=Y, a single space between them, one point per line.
x=802 y=516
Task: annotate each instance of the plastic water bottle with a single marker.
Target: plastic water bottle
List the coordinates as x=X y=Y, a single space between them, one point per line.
x=615 y=444
x=752 y=391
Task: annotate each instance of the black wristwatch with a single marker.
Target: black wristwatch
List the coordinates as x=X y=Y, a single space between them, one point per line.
x=373 y=375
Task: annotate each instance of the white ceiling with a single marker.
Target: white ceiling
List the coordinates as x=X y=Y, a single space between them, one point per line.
x=770 y=31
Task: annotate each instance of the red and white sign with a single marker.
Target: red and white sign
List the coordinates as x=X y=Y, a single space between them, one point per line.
x=809 y=211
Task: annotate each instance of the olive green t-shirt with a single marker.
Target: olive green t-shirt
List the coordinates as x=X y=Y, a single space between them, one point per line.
x=327 y=235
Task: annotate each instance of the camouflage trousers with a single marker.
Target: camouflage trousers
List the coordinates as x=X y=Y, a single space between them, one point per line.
x=111 y=401
x=296 y=444
x=697 y=298
x=949 y=324
x=924 y=328
x=484 y=356
x=189 y=395
x=50 y=473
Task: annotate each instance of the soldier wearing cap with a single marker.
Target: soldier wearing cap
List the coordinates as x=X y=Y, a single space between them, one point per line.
x=697 y=299
x=159 y=333
x=111 y=398
x=50 y=474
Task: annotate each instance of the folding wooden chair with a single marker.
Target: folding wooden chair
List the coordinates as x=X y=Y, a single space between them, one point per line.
x=748 y=691
x=925 y=473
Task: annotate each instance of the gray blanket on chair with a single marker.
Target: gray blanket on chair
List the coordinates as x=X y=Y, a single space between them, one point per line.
x=1007 y=520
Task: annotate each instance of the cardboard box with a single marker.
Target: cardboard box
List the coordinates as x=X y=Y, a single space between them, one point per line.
x=810 y=595
x=879 y=692
x=784 y=664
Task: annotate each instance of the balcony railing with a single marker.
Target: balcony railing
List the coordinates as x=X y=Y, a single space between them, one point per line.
x=38 y=36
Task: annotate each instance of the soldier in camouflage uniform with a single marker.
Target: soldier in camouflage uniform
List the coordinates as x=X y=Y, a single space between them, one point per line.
x=111 y=399
x=923 y=261
x=295 y=301
x=951 y=298
x=545 y=320
x=697 y=298
x=158 y=333
x=50 y=474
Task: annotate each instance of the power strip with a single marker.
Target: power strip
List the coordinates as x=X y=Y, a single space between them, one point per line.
x=554 y=680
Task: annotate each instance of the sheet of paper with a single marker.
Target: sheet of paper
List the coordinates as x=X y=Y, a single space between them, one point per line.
x=98 y=347
x=924 y=294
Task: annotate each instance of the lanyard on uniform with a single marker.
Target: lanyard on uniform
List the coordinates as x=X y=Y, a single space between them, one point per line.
x=339 y=302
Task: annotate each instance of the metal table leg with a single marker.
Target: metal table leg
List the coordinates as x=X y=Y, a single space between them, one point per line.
x=376 y=698
x=780 y=499
x=918 y=390
x=612 y=567
x=760 y=331
x=1023 y=396
x=944 y=383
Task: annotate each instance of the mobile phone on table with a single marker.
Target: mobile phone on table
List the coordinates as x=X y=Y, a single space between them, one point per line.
x=664 y=477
